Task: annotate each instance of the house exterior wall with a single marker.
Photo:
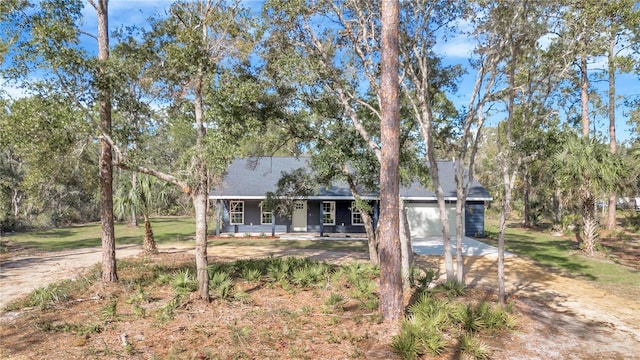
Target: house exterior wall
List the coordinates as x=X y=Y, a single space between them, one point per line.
x=342 y=218
x=427 y=226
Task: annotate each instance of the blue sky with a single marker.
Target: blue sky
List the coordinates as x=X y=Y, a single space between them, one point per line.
x=456 y=51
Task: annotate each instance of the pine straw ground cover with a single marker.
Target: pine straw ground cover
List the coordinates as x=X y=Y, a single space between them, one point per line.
x=278 y=308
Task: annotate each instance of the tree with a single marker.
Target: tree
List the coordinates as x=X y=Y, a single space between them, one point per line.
x=144 y=196
x=391 y=299
x=511 y=40
x=47 y=38
x=109 y=272
x=197 y=63
x=621 y=21
x=584 y=167
x=49 y=181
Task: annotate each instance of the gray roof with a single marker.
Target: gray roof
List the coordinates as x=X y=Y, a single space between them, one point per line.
x=252 y=178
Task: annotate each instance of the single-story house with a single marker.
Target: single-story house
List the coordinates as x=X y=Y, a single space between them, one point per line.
x=238 y=203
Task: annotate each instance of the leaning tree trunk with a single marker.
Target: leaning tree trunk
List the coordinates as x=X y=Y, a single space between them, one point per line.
x=149 y=243
x=372 y=238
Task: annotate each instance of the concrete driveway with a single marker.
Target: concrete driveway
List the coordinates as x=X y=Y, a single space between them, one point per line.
x=470 y=247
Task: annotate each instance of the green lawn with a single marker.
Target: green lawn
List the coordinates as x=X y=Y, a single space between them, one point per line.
x=562 y=254
x=165 y=230
x=329 y=245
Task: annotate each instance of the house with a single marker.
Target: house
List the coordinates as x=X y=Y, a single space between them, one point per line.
x=238 y=201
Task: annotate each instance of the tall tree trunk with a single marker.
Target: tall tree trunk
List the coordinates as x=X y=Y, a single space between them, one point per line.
x=613 y=146
x=202 y=264
x=508 y=178
x=200 y=194
x=16 y=199
x=134 y=189
x=372 y=238
x=526 y=193
x=406 y=251
x=391 y=299
x=149 y=243
x=558 y=208
x=109 y=273
x=584 y=97
x=459 y=233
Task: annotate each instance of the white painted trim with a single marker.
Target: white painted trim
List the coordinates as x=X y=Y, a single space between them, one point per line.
x=332 y=212
x=231 y=213
x=341 y=198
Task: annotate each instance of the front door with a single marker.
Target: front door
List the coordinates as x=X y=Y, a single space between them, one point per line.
x=299 y=218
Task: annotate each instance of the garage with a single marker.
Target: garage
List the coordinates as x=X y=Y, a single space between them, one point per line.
x=424 y=219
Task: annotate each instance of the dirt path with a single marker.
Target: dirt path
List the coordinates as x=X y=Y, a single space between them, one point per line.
x=571 y=319
x=562 y=317
x=22 y=274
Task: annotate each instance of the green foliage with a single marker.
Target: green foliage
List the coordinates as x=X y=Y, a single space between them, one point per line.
x=184 y=282
x=221 y=283
x=431 y=316
x=109 y=311
x=335 y=302
x=138 y=299
x=48 y=296
x=250 y=275
x=451 y=288
x=473 y=348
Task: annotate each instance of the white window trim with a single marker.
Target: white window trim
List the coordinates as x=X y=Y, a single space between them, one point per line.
x=353 y=212
x=232 y=212
x=332 y=212
x=262 y=212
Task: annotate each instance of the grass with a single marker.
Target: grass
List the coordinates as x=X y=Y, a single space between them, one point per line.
x=329 y=245
x=562 y=254
x=165 y=230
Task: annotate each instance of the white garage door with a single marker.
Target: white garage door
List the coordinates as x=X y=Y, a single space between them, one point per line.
x=424 y=220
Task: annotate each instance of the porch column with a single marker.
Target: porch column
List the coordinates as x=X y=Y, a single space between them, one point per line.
x=321 y=221
x=218 y=218
x=273 y=223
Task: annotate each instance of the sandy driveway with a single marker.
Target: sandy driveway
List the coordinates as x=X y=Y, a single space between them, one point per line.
x=563 y=318
x=22 y=274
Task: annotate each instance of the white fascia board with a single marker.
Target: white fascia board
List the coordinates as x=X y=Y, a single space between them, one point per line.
x=328 y=198
x=239 y=197
x=451 y=198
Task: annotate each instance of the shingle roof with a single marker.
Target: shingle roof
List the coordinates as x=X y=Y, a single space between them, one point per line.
x=252 y=178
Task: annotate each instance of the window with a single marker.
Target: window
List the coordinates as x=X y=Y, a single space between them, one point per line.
x=236 y=212
x=356 y=215
x=265 y=217
x=329 y=212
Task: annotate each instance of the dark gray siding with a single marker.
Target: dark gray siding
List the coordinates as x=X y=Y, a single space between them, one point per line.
x=474 y=219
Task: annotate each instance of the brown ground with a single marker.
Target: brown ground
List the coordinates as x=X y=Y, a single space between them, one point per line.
x=560 y=317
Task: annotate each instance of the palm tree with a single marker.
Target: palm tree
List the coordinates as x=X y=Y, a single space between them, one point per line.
x=143 y=197
x=584 y=168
